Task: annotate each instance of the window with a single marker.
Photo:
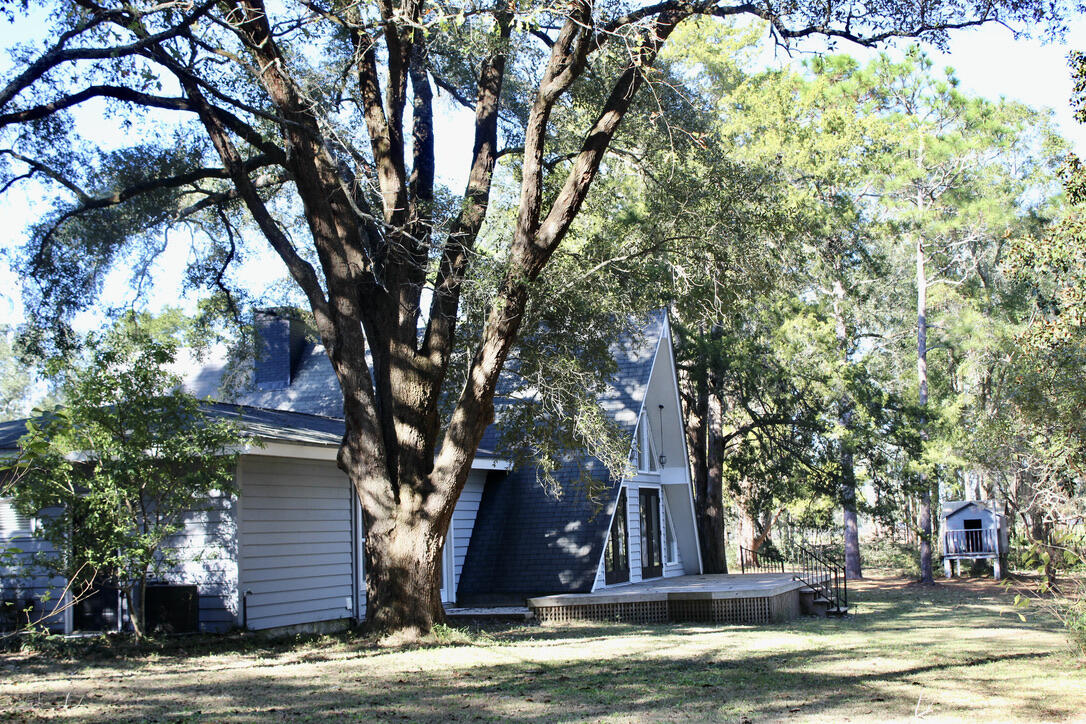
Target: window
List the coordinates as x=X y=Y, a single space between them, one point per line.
x=644 y=452
x=616 y=559
x=671 y=545
x=11 y=522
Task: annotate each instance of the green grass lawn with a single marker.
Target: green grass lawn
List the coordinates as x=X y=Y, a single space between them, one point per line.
x=953 y=652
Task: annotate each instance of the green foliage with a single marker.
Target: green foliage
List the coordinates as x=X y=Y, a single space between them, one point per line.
x=15 y=379
x=1055 y=263
x=112 y=473
x=673 y=219
x=1064 y=599
x=892 y=555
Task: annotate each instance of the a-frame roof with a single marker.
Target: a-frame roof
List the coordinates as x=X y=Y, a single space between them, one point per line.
x=525 y=542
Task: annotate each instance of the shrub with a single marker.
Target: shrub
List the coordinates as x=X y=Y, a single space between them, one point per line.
x=890 y=554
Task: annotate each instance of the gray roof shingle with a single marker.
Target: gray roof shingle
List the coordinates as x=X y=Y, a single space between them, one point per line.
x=527 y=543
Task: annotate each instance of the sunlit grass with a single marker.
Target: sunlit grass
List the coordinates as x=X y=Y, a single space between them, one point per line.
x=955 y=652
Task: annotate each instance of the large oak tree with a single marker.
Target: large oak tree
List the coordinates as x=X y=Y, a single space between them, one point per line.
x=311 y=123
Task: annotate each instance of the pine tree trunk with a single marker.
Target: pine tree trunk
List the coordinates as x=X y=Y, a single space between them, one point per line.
x=708 y=491
x=711 y=520
x=848 y=472
x=852 y=532
x=926 y=575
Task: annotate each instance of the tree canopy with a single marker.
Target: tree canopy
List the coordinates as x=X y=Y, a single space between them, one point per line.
x=310 y=128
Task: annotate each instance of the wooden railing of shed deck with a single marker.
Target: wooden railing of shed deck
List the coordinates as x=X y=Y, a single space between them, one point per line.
x=973 y=542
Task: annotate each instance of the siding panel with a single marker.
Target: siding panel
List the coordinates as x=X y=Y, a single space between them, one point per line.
x=295 y=526
x=21 y=582
x=463 y=522
x=206 y=553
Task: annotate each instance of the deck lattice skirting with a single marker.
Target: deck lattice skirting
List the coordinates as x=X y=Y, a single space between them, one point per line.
x=731 y=602
x=627 y=612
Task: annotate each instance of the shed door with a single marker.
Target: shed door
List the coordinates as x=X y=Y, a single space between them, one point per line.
x=652 y=565
x=974 y=536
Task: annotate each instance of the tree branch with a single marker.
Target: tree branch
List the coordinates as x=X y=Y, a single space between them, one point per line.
x=441 y=326
x=57 y=55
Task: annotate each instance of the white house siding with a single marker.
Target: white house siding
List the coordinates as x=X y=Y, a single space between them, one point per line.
x=206 y=550
x=682 y=516
x=601 y=575
x=463 y=520
x=19 y=580
x=956 y=521
x=676 y=499
x=294 y=529
x=633 y=514
x=633 y=530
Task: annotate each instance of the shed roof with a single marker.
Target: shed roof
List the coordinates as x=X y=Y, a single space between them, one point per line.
x=953 y=507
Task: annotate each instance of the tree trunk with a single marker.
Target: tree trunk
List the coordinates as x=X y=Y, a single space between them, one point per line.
x=711 y=518
x=852 y=532
x=926 y=575
x=403 y=577
x=755 y=532
x=1041 y=533
x=708 y=502
x=848 y=472
x=136 y=604
x=748 y=530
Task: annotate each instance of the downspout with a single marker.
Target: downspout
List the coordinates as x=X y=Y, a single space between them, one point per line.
x=355 y=553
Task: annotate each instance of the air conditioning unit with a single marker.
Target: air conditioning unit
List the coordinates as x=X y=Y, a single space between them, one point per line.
x=99 y=610
x=172 y=608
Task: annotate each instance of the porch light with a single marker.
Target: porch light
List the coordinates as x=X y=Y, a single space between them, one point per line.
x=663 y=458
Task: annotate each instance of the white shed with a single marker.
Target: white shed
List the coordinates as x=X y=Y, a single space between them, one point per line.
x=975 y=530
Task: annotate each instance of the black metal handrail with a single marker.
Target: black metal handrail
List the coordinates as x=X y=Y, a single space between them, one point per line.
x=816 y=571
x=823 y=576
x=764 y=561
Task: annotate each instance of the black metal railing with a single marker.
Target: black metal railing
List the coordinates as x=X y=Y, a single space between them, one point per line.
x=824 y=576
x=764 y=561
x=821 y=574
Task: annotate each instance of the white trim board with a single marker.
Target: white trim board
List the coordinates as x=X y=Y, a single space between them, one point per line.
x=307 y=451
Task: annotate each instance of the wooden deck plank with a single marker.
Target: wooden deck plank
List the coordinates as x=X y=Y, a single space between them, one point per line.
x=708 y=586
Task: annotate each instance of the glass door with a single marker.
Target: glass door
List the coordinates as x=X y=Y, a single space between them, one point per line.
x=651 y=552
x=616 y=559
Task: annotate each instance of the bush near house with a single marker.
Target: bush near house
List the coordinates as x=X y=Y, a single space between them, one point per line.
x=112 y=473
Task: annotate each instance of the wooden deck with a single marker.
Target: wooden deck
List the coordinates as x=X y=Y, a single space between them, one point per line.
x=740 y=598
x=749 y=585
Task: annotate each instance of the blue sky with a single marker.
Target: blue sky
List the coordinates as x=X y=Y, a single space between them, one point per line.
x=989 y=62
